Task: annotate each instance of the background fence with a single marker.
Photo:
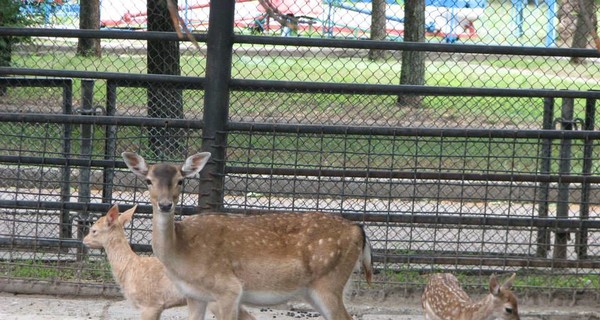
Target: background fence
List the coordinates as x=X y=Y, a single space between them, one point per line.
x=489 y=166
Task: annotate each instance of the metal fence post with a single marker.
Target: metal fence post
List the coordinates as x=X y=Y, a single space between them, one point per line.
x=110 y=145
x=543 y=236
x=581 y=240
x=85 y=172
x=216 y=101
x=564 y=168
x=65 y=189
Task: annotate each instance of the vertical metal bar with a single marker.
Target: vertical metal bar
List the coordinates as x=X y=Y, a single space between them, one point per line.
x=110 y=144
x=564 y=168
x=581 y=241
x=543 y=236
x=65 y=186
x=85 y=172
x=216 y=101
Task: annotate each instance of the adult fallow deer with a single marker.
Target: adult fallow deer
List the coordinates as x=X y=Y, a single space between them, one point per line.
x=259 y=259
x=444 y=299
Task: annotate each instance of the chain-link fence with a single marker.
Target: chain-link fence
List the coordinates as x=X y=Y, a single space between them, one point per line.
x=484 y=164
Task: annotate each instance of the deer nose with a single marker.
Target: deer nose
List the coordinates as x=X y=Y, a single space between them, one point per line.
x=165 y=206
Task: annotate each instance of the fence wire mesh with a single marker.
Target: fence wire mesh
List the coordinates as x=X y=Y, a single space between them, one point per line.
x=469 y=203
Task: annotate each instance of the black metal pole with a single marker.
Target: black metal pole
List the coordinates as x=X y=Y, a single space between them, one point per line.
x=564 y=168
x=85 y=172
x=110 y=146
x=216 y=101
x=543 y=236
x=581 y=242
x=65 y=189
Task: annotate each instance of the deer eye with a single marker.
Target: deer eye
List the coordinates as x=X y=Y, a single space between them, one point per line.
x=508 y=310
x=180 y=182
x=148 y=182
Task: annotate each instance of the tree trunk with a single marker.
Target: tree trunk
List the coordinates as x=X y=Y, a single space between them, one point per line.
x=164 y=101
x=89 y=13
x=413 y=62
x=9 y=17
x=567 y=20
x=378 y=25
x=5 y=57
x=586 y=24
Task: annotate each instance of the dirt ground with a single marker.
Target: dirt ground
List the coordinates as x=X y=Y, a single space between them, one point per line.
x=44 y=307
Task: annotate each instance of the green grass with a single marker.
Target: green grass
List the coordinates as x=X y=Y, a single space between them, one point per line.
x=57 y=270
x=523 y=280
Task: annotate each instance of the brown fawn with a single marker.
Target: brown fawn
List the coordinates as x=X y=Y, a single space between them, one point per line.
x=258 y=259
x=444 y=299
x=142 y=280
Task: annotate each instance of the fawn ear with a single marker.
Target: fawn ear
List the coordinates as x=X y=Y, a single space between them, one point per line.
x=509 y=282
x=126 y=216
x=193 y=164
x=112 y=215
x=135 y=163
x=494 y=285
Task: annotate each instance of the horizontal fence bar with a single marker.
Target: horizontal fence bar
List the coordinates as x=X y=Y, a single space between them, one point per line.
x=530 y=262
x=412 y=131
x=97 y=34
x=385 y=217
x=40 y=242
x=348 y=173
x=396 y=174
x=144 y=80
x=415 y=46
x=100 y=120
x=297 y=128
x=305 y=42
x=29 y=160
x=35 y=82
x=382 y=89
x=134 y=78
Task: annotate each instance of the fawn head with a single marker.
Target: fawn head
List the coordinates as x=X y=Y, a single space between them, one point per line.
x=100 y=233
x=505 y=301
x=165 y=180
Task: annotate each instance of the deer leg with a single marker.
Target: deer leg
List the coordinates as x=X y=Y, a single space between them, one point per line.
x=228 y=306
x=245 y=315
x=196 y=309
x=329 y=303
x=150 y=314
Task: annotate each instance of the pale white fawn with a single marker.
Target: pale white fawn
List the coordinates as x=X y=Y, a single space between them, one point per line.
x=256 y=259
x=444 y=299
x=142 y=279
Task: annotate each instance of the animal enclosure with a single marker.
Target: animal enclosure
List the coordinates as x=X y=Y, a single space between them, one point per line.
x=487 y=168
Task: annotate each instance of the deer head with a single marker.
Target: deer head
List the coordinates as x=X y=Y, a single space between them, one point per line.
x=165 y=180
x=102 y=231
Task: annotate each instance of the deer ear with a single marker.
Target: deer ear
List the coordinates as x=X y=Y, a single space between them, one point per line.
x=135 y=163
x=509 y=282
x=494 y=285
x=112 y=215
x=194 y=164
x=126 y=216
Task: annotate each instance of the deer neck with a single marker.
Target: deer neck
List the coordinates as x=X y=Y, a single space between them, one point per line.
x=120 y=256
x=481 y=309
x=163 y=234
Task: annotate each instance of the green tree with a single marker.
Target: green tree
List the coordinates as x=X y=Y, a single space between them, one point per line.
x=89 y=18
x=378 y=24
x=164 y=101
x=413 y=62
x=10 y=16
